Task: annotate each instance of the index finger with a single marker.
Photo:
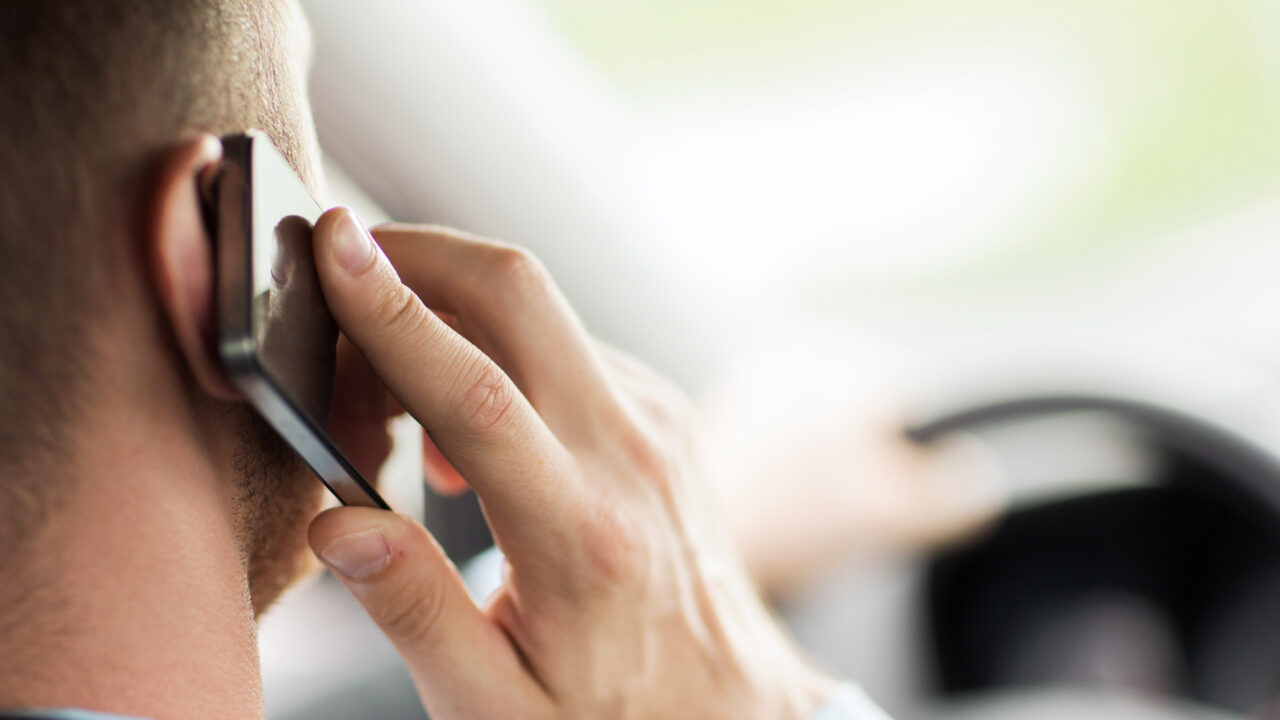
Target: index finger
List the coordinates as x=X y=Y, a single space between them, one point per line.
x=473 y=411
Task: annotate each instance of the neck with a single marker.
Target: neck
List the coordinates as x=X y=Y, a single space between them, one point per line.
x=136 y=599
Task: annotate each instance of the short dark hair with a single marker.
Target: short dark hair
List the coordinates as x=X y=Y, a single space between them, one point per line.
x=90 y=92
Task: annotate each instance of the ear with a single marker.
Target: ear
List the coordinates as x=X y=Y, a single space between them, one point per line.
x=181 y=253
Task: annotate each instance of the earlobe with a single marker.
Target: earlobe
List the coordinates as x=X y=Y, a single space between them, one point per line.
x=182 y=257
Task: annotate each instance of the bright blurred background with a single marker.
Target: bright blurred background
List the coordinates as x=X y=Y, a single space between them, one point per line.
x=924 y=165
x=921 y=169
x=752 y=193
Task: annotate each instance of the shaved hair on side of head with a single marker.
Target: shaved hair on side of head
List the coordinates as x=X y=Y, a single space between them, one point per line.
x=91 y=92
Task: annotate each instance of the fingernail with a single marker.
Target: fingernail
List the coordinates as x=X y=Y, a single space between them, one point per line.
x=359 y=555
x=352 y=245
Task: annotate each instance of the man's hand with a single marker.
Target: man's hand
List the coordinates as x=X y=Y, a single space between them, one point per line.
x=619 y=599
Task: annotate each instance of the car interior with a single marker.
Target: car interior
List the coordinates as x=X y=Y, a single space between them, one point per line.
x=1065 y=213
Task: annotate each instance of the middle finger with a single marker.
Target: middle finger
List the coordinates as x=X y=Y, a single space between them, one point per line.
x=507 y=305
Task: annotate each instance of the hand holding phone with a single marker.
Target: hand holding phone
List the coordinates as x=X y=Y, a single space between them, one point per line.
x=620 y=598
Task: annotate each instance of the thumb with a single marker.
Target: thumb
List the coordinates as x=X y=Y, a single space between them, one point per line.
x=454 y=652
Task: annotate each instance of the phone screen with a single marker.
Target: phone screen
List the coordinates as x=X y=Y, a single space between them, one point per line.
x=297 y=337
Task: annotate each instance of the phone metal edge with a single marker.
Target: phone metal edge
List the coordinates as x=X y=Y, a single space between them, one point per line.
x=238 y=349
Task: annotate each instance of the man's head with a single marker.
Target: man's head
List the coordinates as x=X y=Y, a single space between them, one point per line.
x=98 y=99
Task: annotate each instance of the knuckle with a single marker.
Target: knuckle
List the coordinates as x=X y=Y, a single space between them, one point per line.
x=648 y=458
x=488 y=399
x=655 y=465
x=413 y=613
x=614 y=547
x=515 y=262
x=400 y=311
x=671 y=409
x=517 y=273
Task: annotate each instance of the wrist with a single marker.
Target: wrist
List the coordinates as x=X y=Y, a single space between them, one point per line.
x=808 y=692
x=789 y=684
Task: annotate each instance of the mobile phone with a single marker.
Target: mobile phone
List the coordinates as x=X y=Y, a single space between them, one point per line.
x=276 y=338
